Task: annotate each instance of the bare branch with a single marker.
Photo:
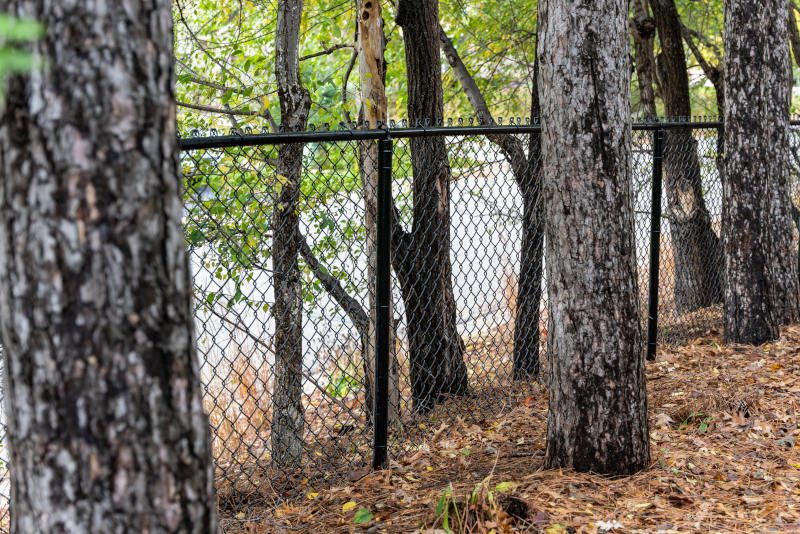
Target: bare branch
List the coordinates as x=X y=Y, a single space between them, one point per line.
x=327 y=51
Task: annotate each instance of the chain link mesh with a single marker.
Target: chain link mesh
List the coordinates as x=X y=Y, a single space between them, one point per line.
x=235 y=197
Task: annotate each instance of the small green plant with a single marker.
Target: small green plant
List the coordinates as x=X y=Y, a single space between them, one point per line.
x=702 y=420
x=342 y=384
x=13 y=33
x=444 y=507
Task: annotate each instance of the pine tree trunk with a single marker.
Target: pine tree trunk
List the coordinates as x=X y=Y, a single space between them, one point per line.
x=422 y=258
x=598 y=405
x=106 y=425
x=372 y=70
x=287 y=411
x=696 y=248
x=761 y=291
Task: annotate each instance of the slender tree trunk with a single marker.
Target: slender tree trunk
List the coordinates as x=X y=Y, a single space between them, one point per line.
x=106 y=425
x=598 y=406
x=761 y=291
x=372 y=70
x=422 y=257
x=287 y=412
x=526 y=174
x=697 y=249
x=643 y=31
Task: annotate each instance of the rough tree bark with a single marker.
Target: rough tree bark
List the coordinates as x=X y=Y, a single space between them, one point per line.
x=106 y=425
x=696 y=248
x=421 y=258
x=287 y=411
x=761 y=290
x=643 y=31
x=372 y=71
x=526 y=170
x=598 y=406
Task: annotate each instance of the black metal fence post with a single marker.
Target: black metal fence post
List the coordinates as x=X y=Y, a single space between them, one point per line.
x=655 y=243
x=383 y=296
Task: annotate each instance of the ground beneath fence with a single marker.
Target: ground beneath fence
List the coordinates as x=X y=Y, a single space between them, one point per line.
x=726 y=458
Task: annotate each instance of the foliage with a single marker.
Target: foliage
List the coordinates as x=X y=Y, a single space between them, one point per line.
x=14 y=32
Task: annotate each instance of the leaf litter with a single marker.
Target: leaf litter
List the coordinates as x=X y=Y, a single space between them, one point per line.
x=724 y=446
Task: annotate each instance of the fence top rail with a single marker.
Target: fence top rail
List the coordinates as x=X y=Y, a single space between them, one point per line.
x=392 y=131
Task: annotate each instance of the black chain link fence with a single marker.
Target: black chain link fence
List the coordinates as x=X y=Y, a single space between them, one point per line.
x=468 y=312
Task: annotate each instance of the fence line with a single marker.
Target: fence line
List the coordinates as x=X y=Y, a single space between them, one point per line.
x=233 y=189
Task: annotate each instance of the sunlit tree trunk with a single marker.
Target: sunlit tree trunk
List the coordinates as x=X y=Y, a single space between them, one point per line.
x=372 y=70
x=598 y=406
x=106 y=425
x=761 y=291
x=287 y=412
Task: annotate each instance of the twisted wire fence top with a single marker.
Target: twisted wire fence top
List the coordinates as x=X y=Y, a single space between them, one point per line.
x=486 y=253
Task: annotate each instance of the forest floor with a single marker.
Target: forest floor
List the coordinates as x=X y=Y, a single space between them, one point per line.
x=725 y=458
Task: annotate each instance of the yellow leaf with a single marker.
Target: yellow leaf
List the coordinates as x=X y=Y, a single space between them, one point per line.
x=556 y=528
x=349 y=505
x=241 y=515
x=311 y=495
x=505 y=487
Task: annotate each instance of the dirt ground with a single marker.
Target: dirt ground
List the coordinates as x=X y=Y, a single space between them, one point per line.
x=725 y=458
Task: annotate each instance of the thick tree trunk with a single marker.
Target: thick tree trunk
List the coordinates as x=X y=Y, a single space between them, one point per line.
x=598 y=406
x=643 y=32
x=526 y=174
x=696 y=248
x=422 y=257
x=287 y=411
x=106 y=425
x=761 y=290
x=372 y=70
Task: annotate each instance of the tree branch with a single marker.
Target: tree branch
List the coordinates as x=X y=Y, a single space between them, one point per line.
x=327 y=51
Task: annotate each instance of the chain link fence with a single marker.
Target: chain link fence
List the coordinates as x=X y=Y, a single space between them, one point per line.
x=468 y=320
x=284 y=239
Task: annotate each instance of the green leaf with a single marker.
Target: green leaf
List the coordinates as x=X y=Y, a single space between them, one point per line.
x=363 y=515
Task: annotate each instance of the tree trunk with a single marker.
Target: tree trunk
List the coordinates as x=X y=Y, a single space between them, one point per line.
x=526 y=174
x=598 y=406
x=696 y=248
x=106 y=425
x=422 y=257
x=761 y=290
x=287 y=411
x=372 y=70
x=643 y=32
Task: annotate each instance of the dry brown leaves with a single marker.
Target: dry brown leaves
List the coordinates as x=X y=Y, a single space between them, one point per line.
x=724 y=441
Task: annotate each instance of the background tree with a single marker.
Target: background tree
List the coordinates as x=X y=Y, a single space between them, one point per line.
x=421 y=257
x=287 y=412
x=761 y=290
x=597 y=419
x=697 y=249
x=106 y=427
x=526 y=169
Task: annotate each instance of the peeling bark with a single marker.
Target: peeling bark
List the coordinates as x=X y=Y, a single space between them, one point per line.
x=288 y=415
x=372 y=70
x=598 y=405
x=421 y=258
x=761 y=291
x=106 y=425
